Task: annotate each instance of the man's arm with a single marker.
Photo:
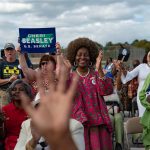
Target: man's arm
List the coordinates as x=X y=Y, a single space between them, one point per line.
x=8 y=80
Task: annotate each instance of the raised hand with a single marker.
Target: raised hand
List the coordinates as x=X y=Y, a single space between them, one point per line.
x=18 y=49
x=52 y=116
x=58 y=48
x=61 y=60
x=99 y=60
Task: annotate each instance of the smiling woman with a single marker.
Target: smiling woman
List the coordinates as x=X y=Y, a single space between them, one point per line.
x=89 y=107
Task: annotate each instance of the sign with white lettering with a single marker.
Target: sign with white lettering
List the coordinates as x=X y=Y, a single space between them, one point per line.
x=37 y=40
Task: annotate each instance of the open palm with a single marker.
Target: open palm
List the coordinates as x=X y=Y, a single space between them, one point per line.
x=52 y=115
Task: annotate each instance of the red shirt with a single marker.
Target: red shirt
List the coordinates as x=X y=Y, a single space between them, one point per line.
x=14 y=118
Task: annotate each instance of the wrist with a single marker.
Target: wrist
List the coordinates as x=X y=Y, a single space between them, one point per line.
x=65 y=143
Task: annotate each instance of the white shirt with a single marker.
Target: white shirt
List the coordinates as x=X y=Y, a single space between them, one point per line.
x=76 y=129
x=141 y=72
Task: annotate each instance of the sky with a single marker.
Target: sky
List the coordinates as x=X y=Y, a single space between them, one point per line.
x=99 y=20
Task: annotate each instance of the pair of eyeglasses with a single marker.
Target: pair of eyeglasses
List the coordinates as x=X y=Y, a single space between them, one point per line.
x=18 y=89
x=44 y=63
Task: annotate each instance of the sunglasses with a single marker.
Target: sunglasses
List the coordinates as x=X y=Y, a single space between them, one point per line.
x=44 y=63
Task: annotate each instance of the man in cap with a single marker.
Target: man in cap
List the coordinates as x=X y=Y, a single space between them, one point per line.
x=9 y=70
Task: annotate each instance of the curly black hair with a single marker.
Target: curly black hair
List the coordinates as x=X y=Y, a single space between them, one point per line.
x=78 y=43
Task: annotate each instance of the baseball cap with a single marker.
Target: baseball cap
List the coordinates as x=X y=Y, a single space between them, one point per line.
x=9 y=46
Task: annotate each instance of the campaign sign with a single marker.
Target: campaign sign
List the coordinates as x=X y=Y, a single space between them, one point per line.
x=37 y=40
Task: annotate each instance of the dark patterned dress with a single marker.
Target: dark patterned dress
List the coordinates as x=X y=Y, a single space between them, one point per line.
x=90 y=109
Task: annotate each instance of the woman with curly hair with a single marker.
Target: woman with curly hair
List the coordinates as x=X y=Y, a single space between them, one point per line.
x=89 y=106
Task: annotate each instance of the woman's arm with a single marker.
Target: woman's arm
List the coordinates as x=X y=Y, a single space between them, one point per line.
x=99 y=64
x=125 y=77
x=61 y=58
x=29 y=73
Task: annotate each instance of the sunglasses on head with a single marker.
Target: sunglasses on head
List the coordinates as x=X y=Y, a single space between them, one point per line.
x=44 y=63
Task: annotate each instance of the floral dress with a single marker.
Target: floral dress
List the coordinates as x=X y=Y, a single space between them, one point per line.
x=90 y=109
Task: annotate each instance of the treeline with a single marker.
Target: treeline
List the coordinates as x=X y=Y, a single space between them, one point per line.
x=145 y=44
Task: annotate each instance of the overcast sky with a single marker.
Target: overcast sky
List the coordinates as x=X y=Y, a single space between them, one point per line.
x=100 y=20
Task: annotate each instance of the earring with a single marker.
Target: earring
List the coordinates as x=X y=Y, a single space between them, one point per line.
x=90 y=64
x=75 y=65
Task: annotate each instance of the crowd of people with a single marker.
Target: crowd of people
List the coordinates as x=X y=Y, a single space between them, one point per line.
x=62 y=103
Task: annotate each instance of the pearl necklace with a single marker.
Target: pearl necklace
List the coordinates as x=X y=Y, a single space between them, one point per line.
x=83 y=75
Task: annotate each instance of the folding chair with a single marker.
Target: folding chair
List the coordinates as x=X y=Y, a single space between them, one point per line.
x=132 y=126
x=116 y=115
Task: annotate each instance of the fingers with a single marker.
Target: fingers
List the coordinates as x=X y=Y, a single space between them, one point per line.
x=72 y=90
x=61 y=87
x=18 y=49
x=101 y=52
x=58 y=48
x=26 y=104
x=100 y=55
x=67 y=64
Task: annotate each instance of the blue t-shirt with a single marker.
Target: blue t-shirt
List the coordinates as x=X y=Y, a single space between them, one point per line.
x=108 y=70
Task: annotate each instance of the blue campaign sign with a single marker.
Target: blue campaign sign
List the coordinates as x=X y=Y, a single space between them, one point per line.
x=37 y=40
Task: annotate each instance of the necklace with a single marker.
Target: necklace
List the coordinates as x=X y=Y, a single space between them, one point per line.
x=83 y=75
